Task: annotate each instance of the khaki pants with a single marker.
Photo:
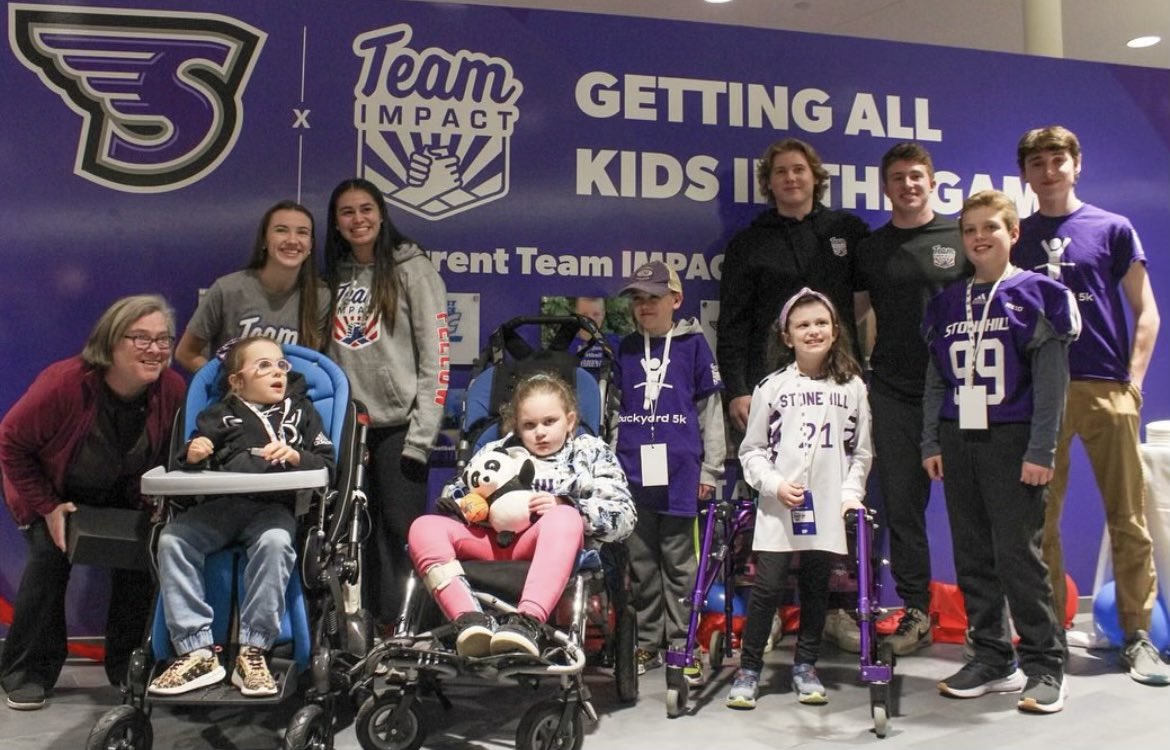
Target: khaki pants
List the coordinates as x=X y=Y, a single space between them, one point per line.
x=1107 y=415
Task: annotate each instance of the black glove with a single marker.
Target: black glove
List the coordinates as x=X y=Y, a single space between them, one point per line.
x=414 y=471
x=449 y=506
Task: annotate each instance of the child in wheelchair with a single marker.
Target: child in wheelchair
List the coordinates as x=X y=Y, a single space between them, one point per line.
x=579 y=490
x=265 y=422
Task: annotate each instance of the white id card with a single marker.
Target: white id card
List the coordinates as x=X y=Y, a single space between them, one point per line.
x=654 y=473
x=972 y=407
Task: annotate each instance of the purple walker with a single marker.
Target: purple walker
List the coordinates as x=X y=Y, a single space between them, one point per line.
x=731 y=518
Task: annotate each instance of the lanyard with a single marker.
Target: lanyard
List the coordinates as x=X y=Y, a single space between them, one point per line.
x=287 y=404
x=975 y=335
x=655 y=376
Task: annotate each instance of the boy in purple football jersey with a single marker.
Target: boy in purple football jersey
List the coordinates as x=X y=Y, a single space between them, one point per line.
x=672 y=445
x=1098 y=255
x=995 y=391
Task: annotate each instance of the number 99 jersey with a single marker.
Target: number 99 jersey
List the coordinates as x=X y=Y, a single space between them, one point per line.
x=1027 y=310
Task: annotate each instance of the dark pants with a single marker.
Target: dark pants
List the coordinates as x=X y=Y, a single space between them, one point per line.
x=36 y=646
x=771 y=578
x=396 y=499
x=662 y=571
x=996 y=525
x=905 y=490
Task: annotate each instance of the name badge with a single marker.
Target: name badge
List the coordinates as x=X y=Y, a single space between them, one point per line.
x=972 y=407
x=654 y=473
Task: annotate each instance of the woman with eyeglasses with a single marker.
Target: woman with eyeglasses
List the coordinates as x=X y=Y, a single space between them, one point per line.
x=83 y=434
x=265 y=422
x=278 y=295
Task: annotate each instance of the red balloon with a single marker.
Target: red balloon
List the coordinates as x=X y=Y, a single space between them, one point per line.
x=1071 y=601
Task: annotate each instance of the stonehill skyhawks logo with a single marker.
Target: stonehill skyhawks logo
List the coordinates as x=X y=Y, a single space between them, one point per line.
x=159 y=93
x=434 y=128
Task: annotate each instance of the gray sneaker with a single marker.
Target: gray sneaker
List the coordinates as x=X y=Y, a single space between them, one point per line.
x=841 y=629
x=807 y=685
x=1143 y=662
x=1044 y=694
x=744 y=689
x=912 y=634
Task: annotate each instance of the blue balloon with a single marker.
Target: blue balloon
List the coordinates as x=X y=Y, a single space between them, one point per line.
x=1106 y=622
x=715 y=601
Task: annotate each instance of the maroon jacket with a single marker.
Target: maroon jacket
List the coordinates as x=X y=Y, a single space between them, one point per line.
x=42 y=431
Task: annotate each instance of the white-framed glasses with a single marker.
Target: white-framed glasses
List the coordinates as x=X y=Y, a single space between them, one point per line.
x=143 y=341
x=265 y=366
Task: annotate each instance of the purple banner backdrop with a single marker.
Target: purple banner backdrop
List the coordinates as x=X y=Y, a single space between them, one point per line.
x=534 y=153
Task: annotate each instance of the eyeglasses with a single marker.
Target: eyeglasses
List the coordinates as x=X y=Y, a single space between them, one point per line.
x=264 y=366
x=142 y=341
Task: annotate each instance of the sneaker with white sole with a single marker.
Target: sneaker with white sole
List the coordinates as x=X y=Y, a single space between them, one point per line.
x=475 y=631
x=517 y=633
x=976 y=679
x=251 y=675
x=745 y=687
x=807 y=685
x=842 y=629
x=1142 y=661
x=1044 y=694
x=28 y=697
x=694 y=673
x=647 y=660
x=193 y=670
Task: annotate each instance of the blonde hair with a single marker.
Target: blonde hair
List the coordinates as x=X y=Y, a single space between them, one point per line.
x=531 y=385
x=116 y=320
x=996 y=200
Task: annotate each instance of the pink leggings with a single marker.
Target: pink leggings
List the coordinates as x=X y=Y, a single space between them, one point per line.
x=552 y=544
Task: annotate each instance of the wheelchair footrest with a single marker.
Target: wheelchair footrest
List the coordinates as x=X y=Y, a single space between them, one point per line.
x=284 y=672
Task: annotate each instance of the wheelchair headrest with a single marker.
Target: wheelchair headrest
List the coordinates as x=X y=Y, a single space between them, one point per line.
x=325 y=383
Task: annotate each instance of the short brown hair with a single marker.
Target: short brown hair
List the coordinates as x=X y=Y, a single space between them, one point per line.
x=764 y=168
x=116 y=320
x=992 y=199
x=1048 y=138
x=912 y=152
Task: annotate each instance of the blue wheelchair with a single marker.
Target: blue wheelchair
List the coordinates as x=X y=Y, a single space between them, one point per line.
x=324 y=630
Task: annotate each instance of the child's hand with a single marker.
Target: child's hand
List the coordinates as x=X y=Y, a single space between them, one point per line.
x=542 y=503
x=790 y=494
x=1035 y=474
x=848 y=505
x=933 y=467
x=706 y=491
x=277 y=452
x=199 y=449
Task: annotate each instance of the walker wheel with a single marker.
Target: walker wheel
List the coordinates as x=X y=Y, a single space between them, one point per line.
x=676 y=700
x=715 y=650
x=881 y=719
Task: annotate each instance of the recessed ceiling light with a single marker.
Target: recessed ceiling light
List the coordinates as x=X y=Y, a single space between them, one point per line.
x=1143 y=41
x=718 y=2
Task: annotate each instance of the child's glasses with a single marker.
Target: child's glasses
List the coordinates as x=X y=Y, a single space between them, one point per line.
x=265 y=366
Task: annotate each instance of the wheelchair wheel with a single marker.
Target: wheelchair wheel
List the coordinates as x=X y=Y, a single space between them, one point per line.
x=308 y=730
x=378 y=729
x=716 y=651
x=625 y=664
x=539 y=727
x=121 y=728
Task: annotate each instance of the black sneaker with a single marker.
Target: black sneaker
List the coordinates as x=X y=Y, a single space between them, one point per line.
x=518 y=633
x=647 y=660
x=475 y=631
x=1044 y=694
x=28 y=697
x=976 y=679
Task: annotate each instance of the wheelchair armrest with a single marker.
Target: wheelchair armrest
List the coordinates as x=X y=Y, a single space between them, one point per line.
x=160 y=482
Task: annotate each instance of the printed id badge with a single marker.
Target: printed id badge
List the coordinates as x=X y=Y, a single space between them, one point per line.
x=654 y=473
x=972 y=407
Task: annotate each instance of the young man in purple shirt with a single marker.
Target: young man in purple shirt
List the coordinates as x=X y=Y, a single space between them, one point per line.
x=1098 y=255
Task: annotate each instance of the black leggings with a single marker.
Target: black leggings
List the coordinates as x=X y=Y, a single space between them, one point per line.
x=771 y=578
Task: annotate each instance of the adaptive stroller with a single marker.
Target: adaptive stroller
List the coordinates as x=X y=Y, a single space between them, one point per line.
x=324 y=625
x=725 y=521
x=593 y=612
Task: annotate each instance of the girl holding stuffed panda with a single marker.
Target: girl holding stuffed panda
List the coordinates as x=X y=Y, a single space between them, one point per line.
x=578 y=490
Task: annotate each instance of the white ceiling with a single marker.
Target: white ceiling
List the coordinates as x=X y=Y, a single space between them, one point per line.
x=1093 y=29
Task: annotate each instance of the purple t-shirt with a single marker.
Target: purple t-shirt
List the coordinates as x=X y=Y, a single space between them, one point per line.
x=1089 y=251
x=673 y=420
x=1026 y=310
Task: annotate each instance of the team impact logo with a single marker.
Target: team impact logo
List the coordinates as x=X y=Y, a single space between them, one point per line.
x=159 y=93
x=434 y=128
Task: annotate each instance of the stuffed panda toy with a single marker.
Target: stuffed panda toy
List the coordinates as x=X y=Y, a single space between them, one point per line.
x=499 y=486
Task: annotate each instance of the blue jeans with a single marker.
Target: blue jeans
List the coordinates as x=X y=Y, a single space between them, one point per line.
x=265 y=528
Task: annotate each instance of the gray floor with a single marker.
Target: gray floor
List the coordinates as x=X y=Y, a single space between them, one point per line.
x=1105 y=709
